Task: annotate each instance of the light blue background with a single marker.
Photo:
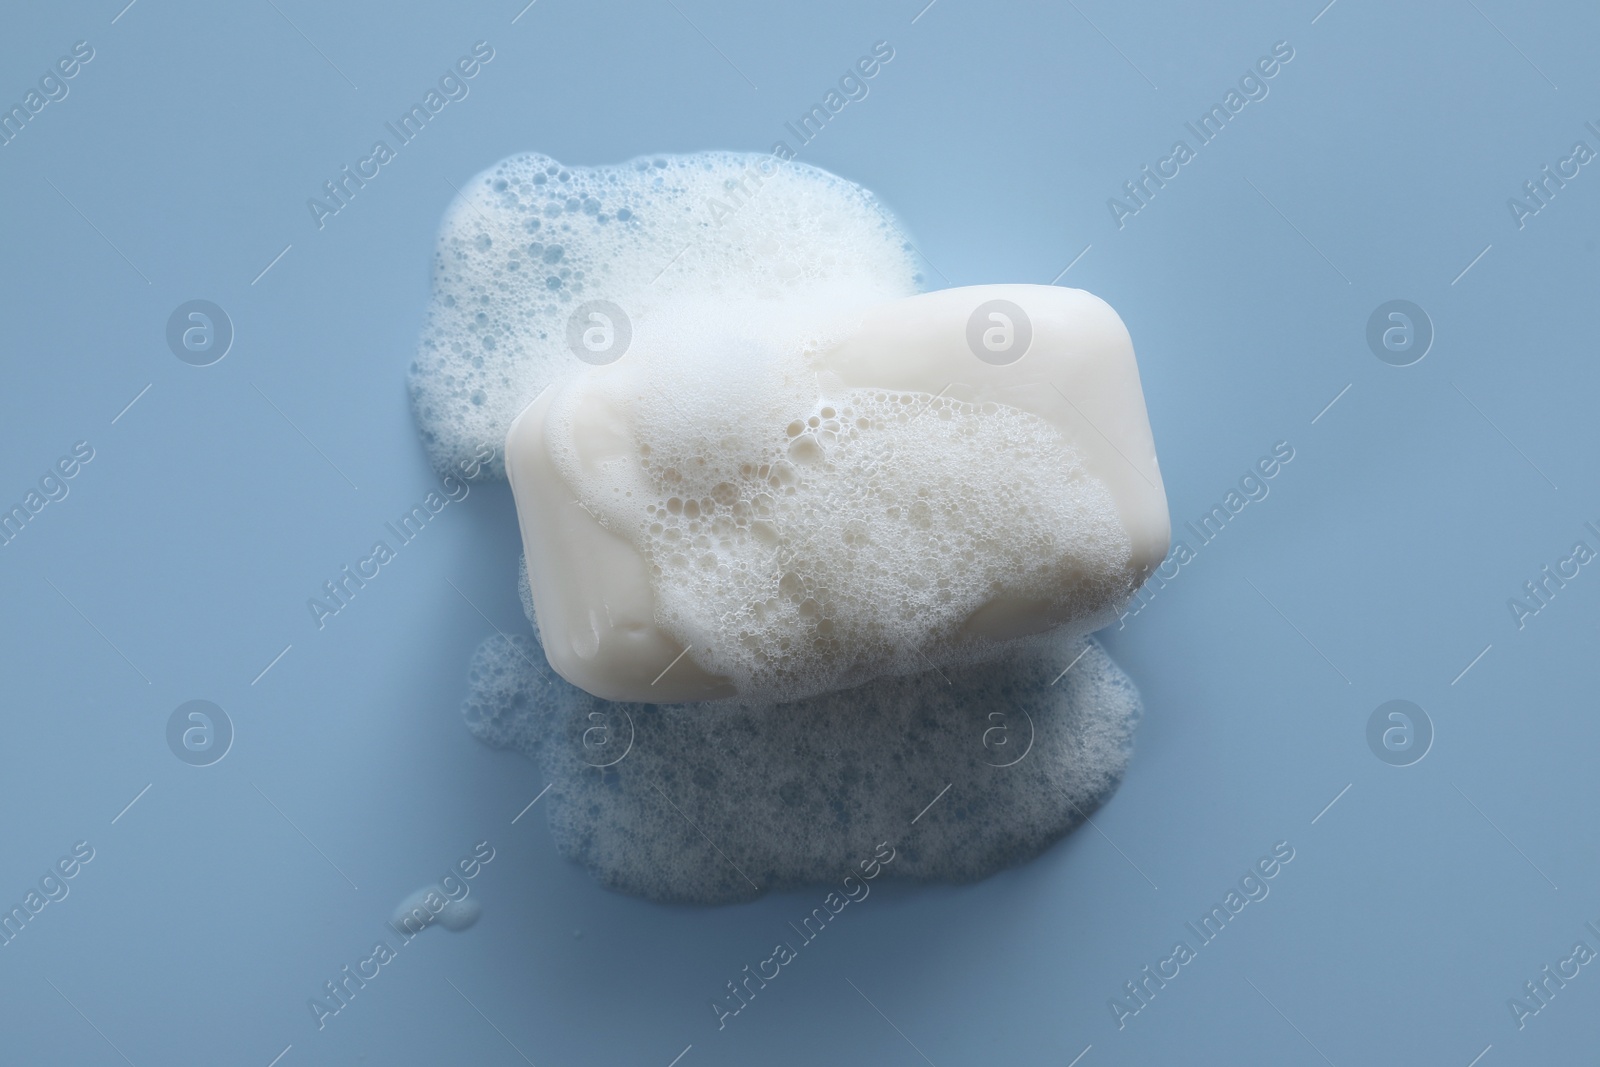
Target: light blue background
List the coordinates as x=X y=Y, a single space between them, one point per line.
x=1416 y=905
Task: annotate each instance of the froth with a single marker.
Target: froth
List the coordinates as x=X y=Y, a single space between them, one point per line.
x=638 y=792
x=529 y=240
x=430 y=905
x=800 y=541
x=814 y=535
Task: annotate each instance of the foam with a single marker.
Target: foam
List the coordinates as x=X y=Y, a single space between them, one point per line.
x=860 y=522
x=792 y=796
x=419 y=910
x=798 y=542
x=529 y=239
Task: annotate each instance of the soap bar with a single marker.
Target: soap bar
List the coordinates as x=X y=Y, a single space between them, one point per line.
x=759 y=502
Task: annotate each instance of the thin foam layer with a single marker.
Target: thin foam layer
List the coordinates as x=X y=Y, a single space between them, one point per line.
x=794 y=796
x=529 y=240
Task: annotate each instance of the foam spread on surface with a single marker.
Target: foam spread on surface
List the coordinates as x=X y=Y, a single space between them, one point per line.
x=721 y=803
x=529 y=240
x=777 y=510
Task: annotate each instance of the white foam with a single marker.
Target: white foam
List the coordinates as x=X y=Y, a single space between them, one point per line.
x=794 y=798
x=430 y=905
x=804 y=529
x=529 y=240
x=798 y=542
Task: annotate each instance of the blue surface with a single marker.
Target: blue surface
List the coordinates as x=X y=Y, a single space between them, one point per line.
x=178 y=566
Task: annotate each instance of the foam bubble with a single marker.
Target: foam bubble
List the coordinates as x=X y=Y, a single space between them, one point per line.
x=529 y=239
x=799 y=542
x=796 y=795
x=430 y=905
x=777 y=509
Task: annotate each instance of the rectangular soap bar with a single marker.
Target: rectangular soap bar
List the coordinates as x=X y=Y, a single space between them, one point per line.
x=745 y=506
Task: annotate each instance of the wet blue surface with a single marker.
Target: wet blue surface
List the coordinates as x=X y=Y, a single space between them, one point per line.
x=1381 y=162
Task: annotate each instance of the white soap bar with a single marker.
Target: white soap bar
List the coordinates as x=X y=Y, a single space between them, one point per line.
x=754 y=504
